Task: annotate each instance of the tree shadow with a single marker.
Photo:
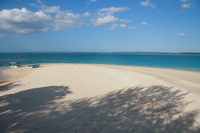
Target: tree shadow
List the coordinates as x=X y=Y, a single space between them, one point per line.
x=29 y=107
x=8 y=86
x=136 y=109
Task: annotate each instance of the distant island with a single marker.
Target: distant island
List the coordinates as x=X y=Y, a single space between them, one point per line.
x=158 y=53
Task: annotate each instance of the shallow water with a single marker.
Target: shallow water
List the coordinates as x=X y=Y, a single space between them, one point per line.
x=182 y=62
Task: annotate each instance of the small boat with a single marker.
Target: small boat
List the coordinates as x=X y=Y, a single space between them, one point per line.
x=34 y=66
x=14 y=64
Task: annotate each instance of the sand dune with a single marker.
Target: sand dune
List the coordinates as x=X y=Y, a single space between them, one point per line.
x=99 y=98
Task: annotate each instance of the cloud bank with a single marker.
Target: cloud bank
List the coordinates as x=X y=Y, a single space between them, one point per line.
x=22 y=21
x=51 y=18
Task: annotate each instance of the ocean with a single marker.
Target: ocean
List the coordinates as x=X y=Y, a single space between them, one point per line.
x=181 y=62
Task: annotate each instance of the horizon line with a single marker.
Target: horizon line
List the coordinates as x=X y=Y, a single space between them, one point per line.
x=115 y=52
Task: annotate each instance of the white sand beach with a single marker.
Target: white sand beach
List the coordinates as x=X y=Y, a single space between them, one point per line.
x=86 y=98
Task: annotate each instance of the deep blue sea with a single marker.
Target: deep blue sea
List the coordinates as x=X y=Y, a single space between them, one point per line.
x=182 y=62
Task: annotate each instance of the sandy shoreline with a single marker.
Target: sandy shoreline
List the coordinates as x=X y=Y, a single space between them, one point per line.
x=99 y=98
x=188 y=80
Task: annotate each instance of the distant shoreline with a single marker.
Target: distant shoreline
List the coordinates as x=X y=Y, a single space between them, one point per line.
x=145 y=53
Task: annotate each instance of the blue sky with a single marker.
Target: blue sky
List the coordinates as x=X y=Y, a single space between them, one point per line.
x=99 y=26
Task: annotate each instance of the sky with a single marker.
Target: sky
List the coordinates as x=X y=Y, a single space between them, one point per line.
x=100 y=26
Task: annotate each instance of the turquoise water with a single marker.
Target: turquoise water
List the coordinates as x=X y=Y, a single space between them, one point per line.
x=182 y=62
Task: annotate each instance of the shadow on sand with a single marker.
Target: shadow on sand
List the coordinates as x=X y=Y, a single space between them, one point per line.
x=137 y=109
x=7 y=87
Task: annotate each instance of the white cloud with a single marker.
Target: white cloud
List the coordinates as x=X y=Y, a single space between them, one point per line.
x=125 y=21
x=47 y=9
x=114 y=26
x=88 y=2
x=184 y=6
x=53 y=9
x=144 y=23
x=184 y=0
x=23 y=15
x=22 y=21
x=122 y=25
x=180 y=34
x=104 y=20
x=68 y=20
x=100 y=14
x=63 y=18
x=148 y=3
x=132 y=27
x=86 y=14
x=112 y=9
x=39 y=1
x=47 y=18
x=105 y=16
